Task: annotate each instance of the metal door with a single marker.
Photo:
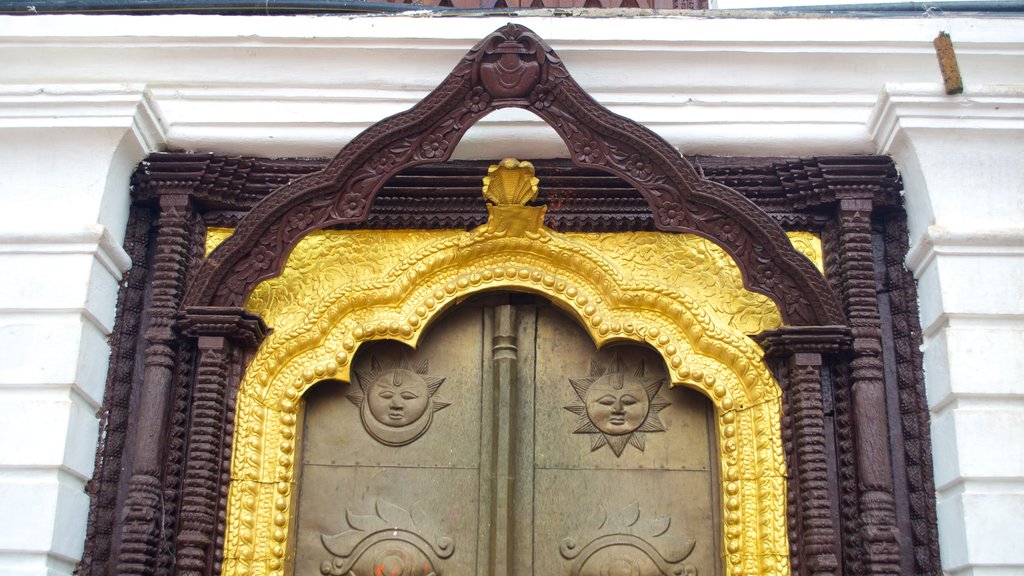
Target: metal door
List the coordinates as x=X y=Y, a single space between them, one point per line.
x=506 y=444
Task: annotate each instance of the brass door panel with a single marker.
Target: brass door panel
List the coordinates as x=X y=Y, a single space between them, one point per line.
x=543 y=456
x=347 y=473
x=623 y=471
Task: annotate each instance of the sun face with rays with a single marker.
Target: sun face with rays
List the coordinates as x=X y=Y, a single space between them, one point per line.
x=397 y=404
x=618 y=406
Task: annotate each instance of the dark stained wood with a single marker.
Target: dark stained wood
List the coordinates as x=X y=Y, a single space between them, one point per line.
x=513 y=67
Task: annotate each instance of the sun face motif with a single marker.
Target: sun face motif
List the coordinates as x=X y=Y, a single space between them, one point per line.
x=618 y=406
x=397 y=404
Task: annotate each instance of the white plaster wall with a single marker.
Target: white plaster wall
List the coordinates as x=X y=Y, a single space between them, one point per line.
x=84 y=98
x=63 y=169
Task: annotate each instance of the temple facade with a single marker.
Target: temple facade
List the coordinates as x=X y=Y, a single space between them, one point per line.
x=927 y=112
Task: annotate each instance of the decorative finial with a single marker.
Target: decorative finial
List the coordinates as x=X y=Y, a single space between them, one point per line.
x=510 y=183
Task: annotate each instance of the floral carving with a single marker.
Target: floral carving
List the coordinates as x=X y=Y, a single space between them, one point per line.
x=670 y=212
x=587 y=151
x=300 y=220
x=434 y=146
x=352 y=204
x=638 y=167
x=382 y=162
x=478 y=99
x=767 y=278
x=729 y=231
x=261 y=258
x=542 y=97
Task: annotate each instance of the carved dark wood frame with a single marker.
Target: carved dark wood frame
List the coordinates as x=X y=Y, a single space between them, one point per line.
x=680 y=199
x=159 y=490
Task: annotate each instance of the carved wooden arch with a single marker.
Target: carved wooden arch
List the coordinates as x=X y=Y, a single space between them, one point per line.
x=513 y=67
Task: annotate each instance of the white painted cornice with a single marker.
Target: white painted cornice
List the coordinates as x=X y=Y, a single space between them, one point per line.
x=302 y=86
x=940 y=241
x=927 y=106
x=95 y=240
x=83 y=106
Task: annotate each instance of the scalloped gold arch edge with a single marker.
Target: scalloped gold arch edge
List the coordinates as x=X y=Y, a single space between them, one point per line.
x=513 y=251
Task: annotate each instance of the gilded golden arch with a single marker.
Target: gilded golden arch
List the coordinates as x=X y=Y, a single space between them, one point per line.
x=698 y=326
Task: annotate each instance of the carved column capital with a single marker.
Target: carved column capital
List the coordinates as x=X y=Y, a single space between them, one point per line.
x=233 y=323
x=790 y=340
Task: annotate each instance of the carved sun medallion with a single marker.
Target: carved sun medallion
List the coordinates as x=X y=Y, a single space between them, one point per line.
x=622 y=543
x=617 y=405
x=387 y=542
x=397 y=404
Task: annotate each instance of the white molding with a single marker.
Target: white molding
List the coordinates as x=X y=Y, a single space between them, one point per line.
x=82 y=105
x=975 y=401
x=94 y=239
x=938 y=240
x=663 y=29
x=721 y=85
x=980 y=107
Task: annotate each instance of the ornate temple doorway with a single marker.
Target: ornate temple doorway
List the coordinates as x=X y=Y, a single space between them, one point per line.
x=514 y=439
x=507 y=444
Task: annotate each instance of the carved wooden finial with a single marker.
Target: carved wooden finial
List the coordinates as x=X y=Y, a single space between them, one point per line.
x=510 y=182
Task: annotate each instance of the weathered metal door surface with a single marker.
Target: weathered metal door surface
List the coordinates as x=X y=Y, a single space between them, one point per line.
x=506 y=444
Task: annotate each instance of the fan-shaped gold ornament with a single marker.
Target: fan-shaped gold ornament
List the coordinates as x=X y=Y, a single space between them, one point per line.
x=510 y=182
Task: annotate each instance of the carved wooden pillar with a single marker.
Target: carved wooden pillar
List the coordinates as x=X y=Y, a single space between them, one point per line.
x=802 y=350
x=225 y=337
x=141 y=528
x=878 y=530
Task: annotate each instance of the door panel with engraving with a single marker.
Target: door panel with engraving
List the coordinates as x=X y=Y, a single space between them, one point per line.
x=390 y=462
x=623 y=467
x=506 y=444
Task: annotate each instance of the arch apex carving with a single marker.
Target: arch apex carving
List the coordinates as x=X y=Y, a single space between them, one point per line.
x=513 y=67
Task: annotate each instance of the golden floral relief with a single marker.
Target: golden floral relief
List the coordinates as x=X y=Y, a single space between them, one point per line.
x=693 y=264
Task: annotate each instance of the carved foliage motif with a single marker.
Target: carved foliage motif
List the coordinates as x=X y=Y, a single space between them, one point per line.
x=386 y=542
x=617 y=406
x=683 y=262
x=621 y=543
x=397 y=404
x=513 y=67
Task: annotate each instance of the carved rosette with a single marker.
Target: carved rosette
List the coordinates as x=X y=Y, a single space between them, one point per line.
x=513 y=251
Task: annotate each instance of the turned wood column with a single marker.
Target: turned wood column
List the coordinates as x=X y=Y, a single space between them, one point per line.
x=225 y=338
x=803 y=351
x=141 y=528
x=877 y=527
